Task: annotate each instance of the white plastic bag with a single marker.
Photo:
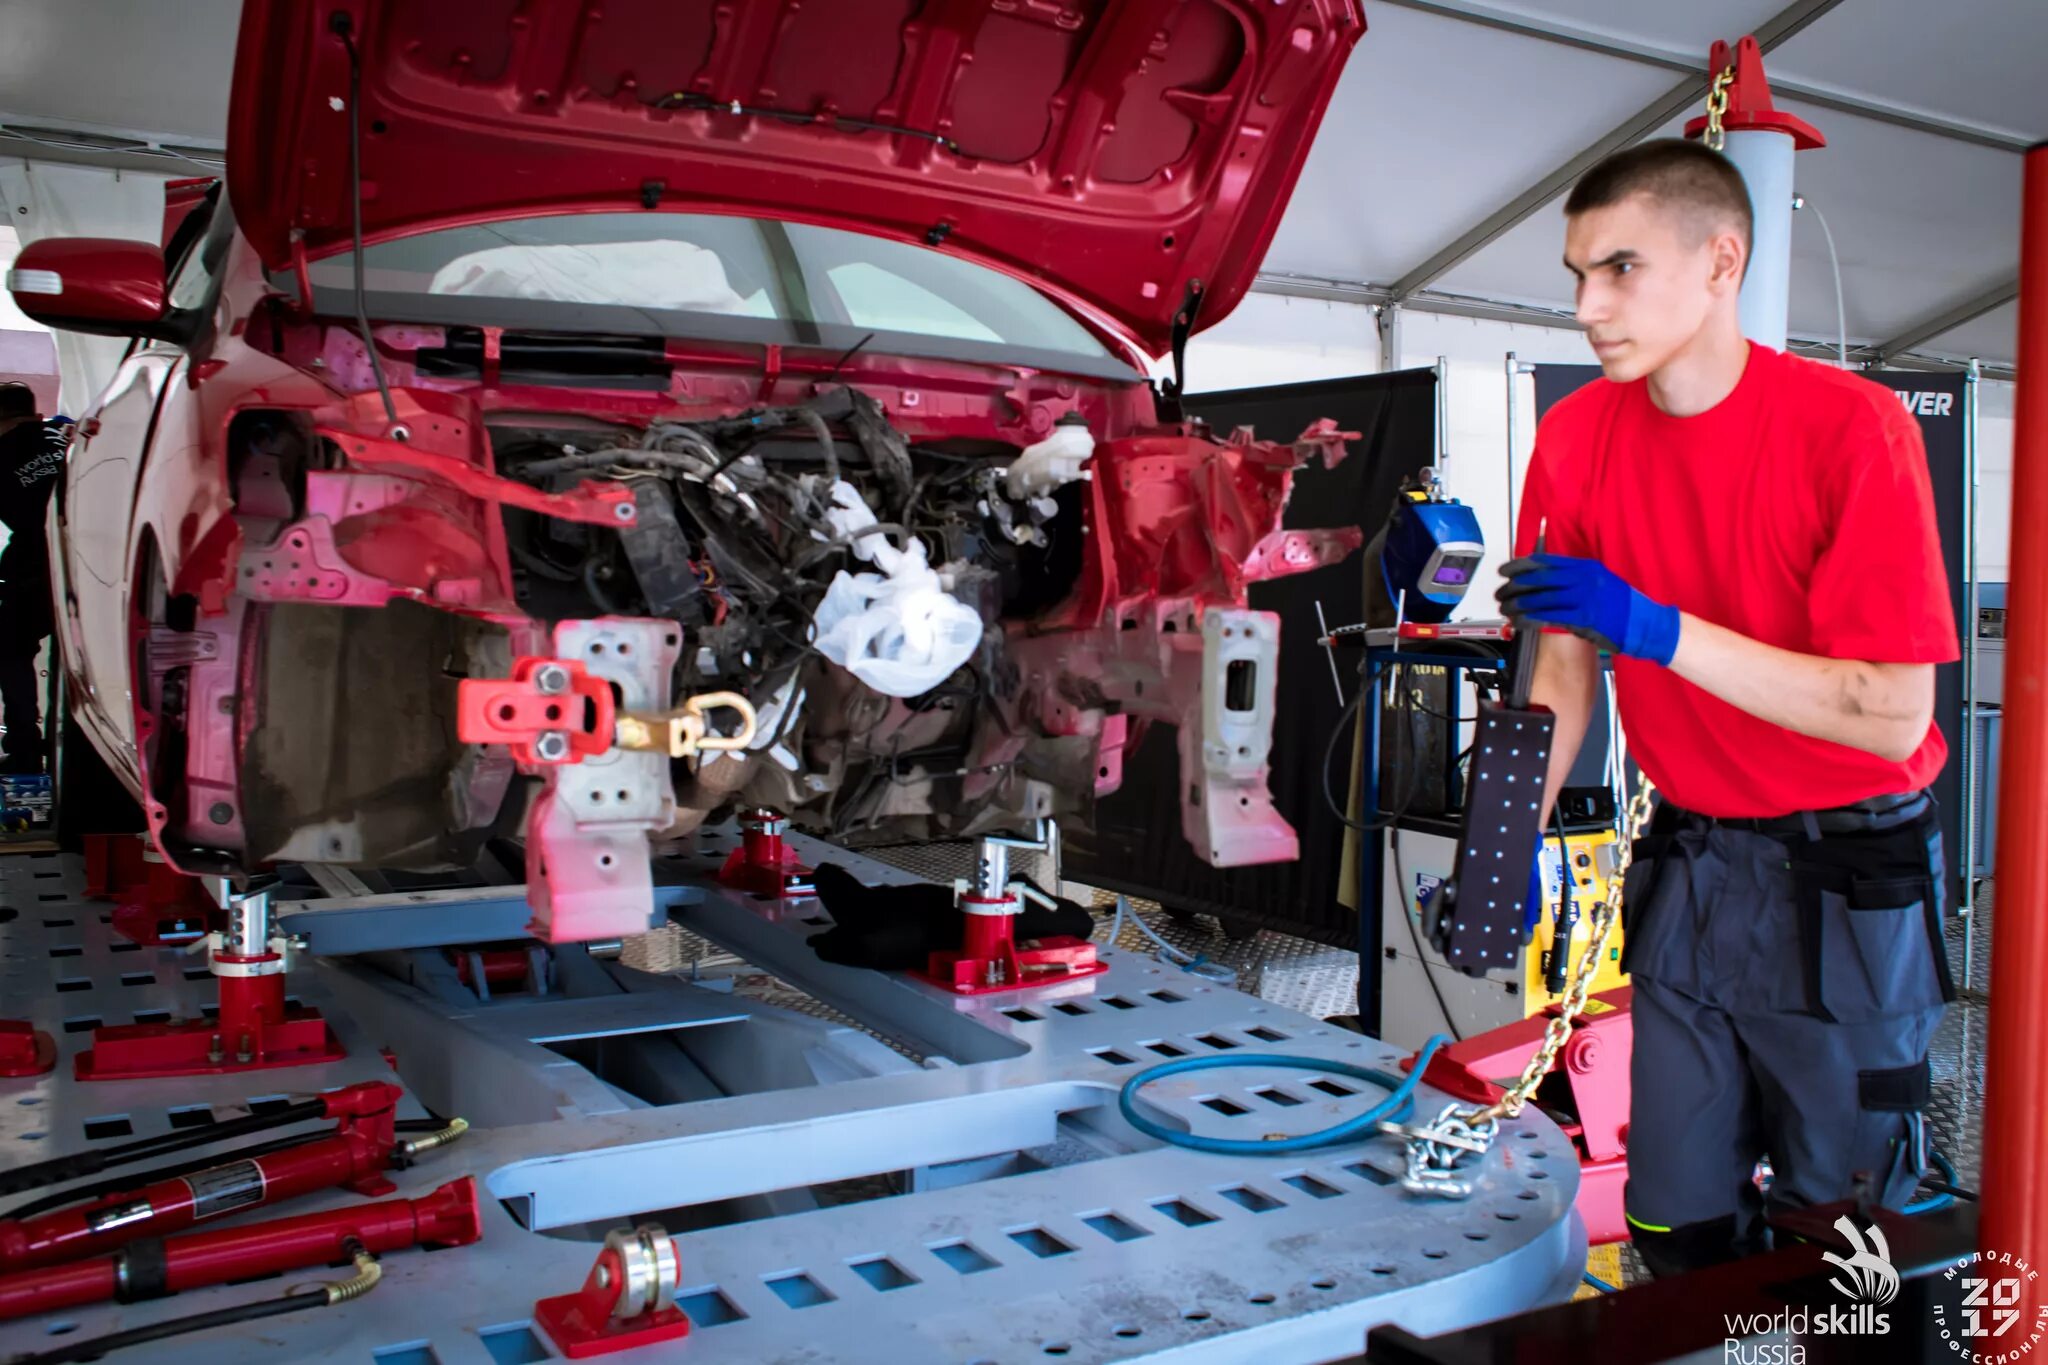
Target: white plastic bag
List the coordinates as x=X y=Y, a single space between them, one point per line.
x=898 y=631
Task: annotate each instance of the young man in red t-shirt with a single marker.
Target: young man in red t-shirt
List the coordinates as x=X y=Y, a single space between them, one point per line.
x=1752 y=536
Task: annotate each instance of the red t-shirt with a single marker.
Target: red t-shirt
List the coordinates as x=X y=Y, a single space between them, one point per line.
x=1798 y=511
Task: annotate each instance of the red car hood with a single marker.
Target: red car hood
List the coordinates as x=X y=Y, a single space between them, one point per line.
x=1114 y=152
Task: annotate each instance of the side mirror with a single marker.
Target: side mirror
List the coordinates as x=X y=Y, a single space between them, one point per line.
x=101 y=285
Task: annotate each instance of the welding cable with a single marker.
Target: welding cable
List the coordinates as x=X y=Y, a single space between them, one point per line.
x=60 y=1169
x=1398 y=1104
x=1590 y=1278
x=1194 y=964
x=367 y=1273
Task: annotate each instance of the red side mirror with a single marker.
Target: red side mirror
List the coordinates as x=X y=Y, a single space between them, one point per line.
x=90 y=284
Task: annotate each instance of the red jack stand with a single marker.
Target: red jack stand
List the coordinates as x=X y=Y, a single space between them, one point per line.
x=990 y=958
x=24 y=1049
x=1591 y=1106
x=627 y=1301
x=154 y=903
x=763 y=864
x=256 y=1028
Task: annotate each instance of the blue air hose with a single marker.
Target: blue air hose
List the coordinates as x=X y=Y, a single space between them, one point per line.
x=1937 y=1201
x=1399 y=1103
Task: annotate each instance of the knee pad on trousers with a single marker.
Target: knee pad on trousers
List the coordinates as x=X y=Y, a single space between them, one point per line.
x=1693 y=1246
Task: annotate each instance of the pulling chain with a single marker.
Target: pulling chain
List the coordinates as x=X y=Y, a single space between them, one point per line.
x=1717 y=108
x=1436 y=1150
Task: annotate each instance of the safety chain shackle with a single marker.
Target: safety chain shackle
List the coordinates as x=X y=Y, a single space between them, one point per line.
x=1453 y=1138
x=1717 y=108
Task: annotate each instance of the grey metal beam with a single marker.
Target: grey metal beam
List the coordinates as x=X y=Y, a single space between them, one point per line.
x=38 y=142
x=1586 y=40
x=1288 y=285
x=1780 y=26
x=1526 y=314
x=2004 y=292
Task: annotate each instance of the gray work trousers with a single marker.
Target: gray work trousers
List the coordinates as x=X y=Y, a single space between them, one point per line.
x=1786 y=991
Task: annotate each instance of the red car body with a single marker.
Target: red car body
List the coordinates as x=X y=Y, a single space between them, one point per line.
x=266 y=593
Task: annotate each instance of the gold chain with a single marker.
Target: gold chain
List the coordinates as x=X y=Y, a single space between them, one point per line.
x=1717 y=105
x=1604 y=918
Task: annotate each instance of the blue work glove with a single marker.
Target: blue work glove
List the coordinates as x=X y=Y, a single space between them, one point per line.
x=1587 y=598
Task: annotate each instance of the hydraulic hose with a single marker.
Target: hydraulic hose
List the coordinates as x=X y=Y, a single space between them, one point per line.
x=1398 y=1104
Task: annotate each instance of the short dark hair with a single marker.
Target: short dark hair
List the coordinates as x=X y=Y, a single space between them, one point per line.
x=1688 y=176
x=17 y=400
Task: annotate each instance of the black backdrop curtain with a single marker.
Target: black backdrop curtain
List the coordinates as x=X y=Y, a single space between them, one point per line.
x=1136 y=846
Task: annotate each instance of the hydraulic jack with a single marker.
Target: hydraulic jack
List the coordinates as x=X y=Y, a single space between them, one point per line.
x=763 y=864
x=154 y=903
x=354 y=1156
x=990 y=958
x=256 y=1028
x=447 y=1217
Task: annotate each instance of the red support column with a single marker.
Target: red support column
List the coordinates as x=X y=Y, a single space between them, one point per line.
x=2015 y=1207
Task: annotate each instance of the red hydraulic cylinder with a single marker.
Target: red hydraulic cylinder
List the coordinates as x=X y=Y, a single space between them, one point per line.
x=2014 y=1218
x=763 y=864
x=447 y=1217
x=355 y=1156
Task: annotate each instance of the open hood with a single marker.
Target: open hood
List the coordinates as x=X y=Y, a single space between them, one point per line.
x=1115 y=152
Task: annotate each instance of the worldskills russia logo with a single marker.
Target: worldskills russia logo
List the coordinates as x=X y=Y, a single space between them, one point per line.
x=1865 y=1277
x=1992 y=1316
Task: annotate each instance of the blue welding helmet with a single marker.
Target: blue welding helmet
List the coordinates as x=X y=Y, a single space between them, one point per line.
x=1430 y=549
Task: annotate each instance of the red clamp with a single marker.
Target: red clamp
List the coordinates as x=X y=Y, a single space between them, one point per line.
x=1749 y=99
x=25 y=1050
x=548 y=711
x=628 y=1300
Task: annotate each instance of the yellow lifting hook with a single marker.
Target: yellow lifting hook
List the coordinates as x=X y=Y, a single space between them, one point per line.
x=684 y=732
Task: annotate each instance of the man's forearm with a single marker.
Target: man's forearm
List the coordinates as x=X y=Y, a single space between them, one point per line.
x=1567 y=681
x=1882 y=709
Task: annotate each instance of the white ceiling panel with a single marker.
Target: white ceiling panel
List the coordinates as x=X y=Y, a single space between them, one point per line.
x=1436 y=123
x=1675 y=25
x=132 y=66
x=1978 y=61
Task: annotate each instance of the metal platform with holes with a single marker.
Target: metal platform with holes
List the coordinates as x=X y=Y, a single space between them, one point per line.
x=832 y=1198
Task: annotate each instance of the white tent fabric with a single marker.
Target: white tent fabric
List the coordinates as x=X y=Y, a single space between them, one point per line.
x=41 y=200
x=1449 y=110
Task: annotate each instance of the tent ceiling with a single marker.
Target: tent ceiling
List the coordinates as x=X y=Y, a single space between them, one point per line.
x=1440 y=121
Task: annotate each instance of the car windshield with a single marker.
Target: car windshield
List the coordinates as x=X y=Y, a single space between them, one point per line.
x=716 y=277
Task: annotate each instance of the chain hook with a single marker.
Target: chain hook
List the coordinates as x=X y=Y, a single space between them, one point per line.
x=1717 y=108
x=1454 y=1139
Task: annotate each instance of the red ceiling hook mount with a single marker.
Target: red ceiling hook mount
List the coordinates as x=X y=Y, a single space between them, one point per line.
x=1750 y=108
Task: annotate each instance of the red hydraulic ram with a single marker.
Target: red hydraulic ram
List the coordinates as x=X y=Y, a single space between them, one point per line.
x=2014 y=1218
x=355 y=1155
x=156 y=1267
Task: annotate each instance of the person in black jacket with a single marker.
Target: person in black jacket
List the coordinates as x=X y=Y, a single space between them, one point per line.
x=31 y=457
